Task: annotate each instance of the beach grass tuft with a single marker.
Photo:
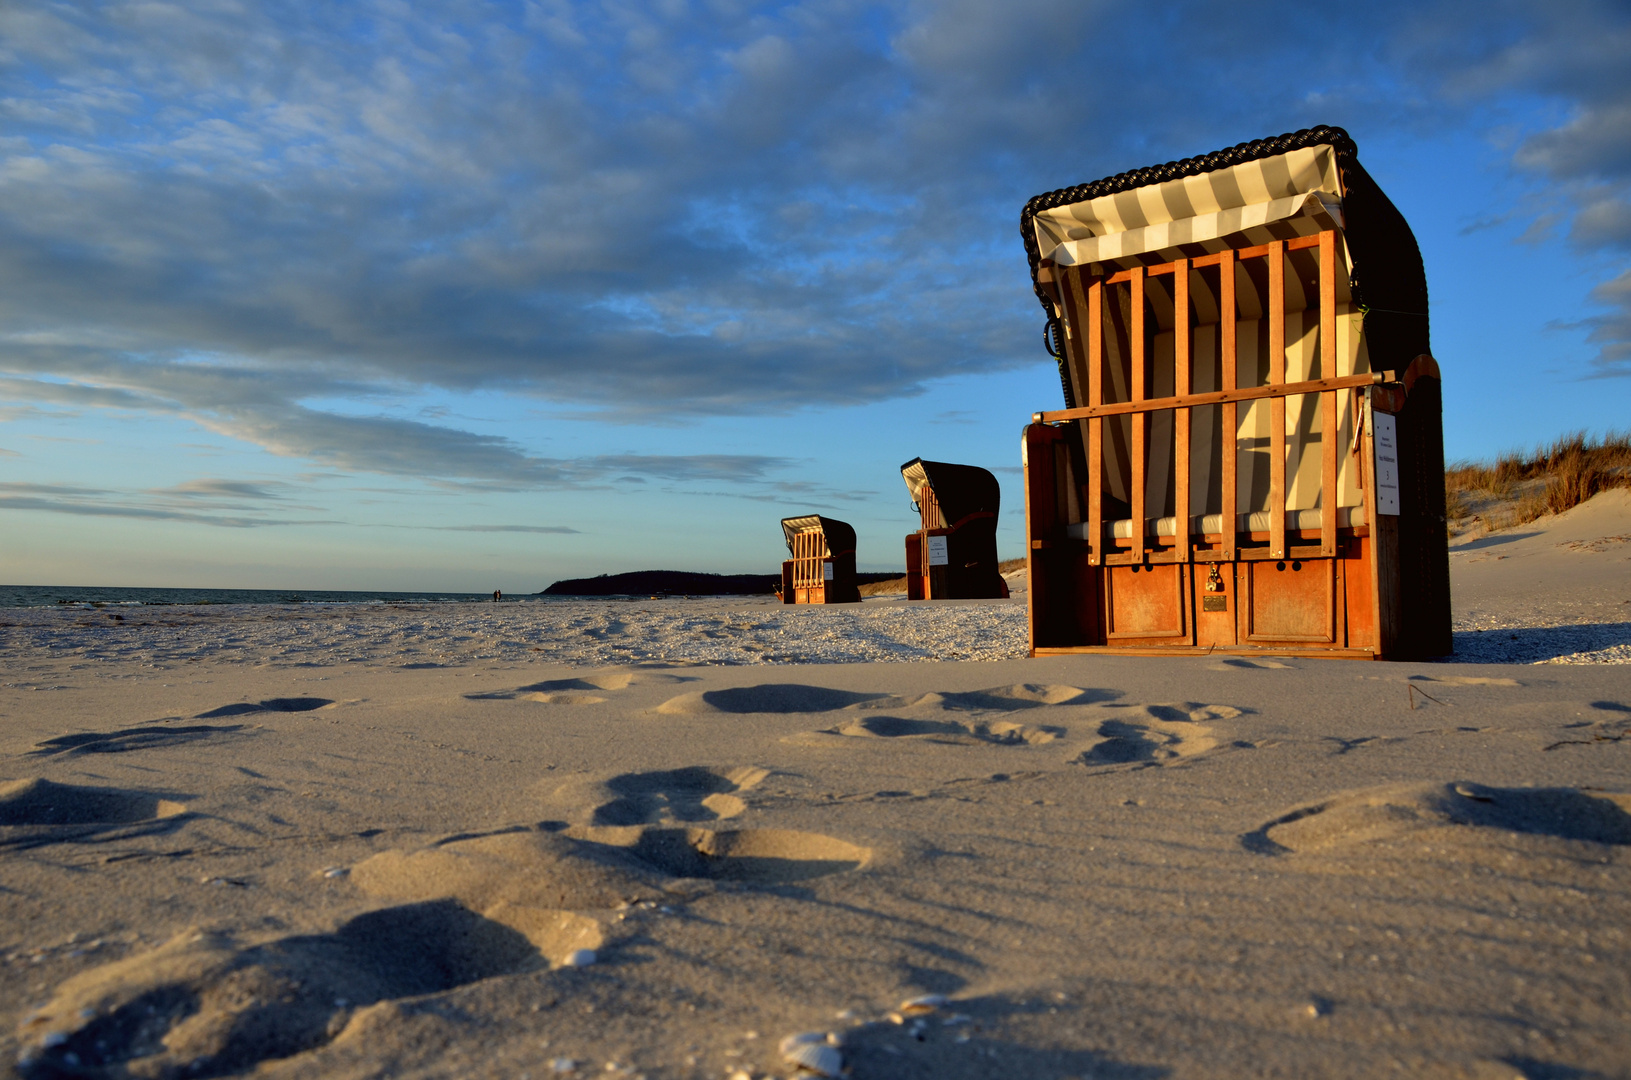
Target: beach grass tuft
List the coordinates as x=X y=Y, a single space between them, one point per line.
x=1519 y=487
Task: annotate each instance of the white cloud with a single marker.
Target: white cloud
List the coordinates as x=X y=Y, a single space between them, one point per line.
x=663 y=211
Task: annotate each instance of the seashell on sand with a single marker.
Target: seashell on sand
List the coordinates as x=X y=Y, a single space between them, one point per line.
x=817 y=1058
x=920 y=1006
x=580 y=958
x=804 y=1038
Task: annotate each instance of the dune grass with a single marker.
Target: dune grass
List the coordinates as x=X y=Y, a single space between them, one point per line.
x=1520 y=487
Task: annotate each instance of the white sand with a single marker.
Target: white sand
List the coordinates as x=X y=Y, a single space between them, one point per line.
x=1557 y=590
x=726 y=630
x=281 y=842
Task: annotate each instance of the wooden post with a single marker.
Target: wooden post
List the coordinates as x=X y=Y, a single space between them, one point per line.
x=1330 y=496
x=1181 y=361
x=1384 y=546
x=1277 y=406
x=1228 y=431
x=1095 y=426
x=1140 y=420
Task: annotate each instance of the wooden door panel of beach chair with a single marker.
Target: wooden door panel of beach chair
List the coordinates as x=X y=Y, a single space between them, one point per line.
x=1252 y=431
x=915 y=578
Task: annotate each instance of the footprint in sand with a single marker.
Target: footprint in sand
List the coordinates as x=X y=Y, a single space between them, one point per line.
x=1155 y=733
x=774 y=698
x=1248 y=663
x=203 y=1005
x=959 y=717
x=38 y=812
x=1000 y=732
x=584 y=691
x=559 y=891
x=899 y=727
x=277 y=704
x=996 y=699
x=149 y=737
x=1385 y=813
x=674 y=795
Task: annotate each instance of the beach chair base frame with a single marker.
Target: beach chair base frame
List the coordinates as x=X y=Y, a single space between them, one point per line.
x=1343 y=596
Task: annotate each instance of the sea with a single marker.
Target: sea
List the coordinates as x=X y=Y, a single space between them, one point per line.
x=95 y=596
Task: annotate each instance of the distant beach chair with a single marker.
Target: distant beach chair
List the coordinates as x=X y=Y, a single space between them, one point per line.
x=1251 y=457
x=822 y=569
x=954 y=554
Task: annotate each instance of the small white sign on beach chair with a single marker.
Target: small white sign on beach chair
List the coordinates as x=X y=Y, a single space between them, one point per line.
x=937 y=551
x=1387 y=463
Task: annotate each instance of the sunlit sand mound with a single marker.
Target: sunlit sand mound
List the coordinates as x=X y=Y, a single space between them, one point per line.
x=1387 y=813
x=529 y=869
x=202 y=1005
x=763 y=856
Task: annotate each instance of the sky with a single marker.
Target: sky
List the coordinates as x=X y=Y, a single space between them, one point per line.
x=455 y=295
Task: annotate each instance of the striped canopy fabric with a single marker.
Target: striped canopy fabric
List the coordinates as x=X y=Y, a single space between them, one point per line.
x=839 y=535
x=1378 y=249
x=960 y=490
x=1297 y=193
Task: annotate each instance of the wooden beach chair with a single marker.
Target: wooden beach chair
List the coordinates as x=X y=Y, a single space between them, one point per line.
x=954 y=554
x=1250 y=458
x=822 y=569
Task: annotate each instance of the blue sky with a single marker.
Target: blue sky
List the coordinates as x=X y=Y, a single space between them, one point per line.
x=458 y=295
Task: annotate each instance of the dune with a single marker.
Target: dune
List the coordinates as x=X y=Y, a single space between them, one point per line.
x=616 y=839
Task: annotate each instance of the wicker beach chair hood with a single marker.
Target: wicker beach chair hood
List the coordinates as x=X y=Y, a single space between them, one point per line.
x=961 y=490
x=840 y=535
x=1270 y=189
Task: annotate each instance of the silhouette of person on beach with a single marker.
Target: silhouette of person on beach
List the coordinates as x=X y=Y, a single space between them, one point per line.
x=497 y=596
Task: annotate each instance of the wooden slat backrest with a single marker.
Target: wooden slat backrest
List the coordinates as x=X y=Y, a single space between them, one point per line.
x=929 y=508
x=1295 y=244
x=1277 y=406
x=1095 y=426
x=1218 y=397
x=1180 y=417
x=1141 y=420
x=1227 y=430
x=809 y=555
x=1084 y=323
x=1329 y=495
x=1084 y=299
